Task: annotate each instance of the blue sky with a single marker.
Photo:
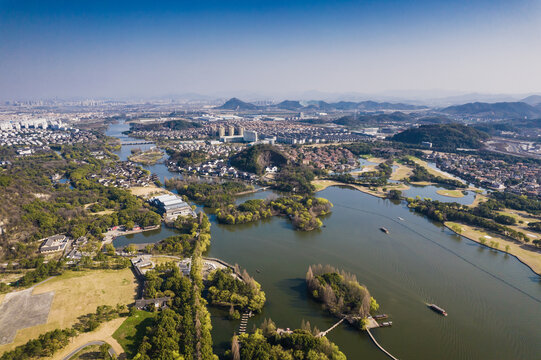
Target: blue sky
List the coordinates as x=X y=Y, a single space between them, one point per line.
x=149 y=48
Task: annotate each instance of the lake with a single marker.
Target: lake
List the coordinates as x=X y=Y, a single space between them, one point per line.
x=493 y=301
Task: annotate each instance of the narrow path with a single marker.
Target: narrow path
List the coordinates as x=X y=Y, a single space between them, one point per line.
x=252 y=191
x=379 y=346
x=324 y=333
x=112 y=351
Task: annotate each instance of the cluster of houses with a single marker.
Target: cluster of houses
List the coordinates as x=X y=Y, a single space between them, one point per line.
x=518 y=178
x=337 y=159
x=37 y=137
x=124 y=175
x=60 y=243
x=218 y=167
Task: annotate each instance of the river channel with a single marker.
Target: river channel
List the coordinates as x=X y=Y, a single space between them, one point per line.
x=493 y=300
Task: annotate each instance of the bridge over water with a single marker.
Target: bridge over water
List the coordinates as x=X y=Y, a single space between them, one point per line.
x=372 y=323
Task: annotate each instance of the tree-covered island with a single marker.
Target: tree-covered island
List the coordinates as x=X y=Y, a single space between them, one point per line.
x=341 y=294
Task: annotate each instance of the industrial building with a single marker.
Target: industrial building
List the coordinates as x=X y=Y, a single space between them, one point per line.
x=171 y=206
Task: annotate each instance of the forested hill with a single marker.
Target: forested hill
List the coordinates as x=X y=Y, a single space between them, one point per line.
x=254 y=159
x=168 y=125
x=444 y=136
x=502 y=110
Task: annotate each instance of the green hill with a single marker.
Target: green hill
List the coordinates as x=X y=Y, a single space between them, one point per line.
x=168 y=125
x=444 y=136
x=254 y=159
x=358 y=120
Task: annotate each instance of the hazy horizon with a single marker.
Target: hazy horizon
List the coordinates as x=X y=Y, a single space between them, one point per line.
x=391 y=49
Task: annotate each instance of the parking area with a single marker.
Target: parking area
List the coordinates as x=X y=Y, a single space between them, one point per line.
x=21 y=310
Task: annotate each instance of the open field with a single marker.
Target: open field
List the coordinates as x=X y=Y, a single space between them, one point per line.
x=131 y=332
x=148 y=191
x=103 y=333
x=450 y=193
x=525 y=253
x=76 y=294
x=147 y=157
x=401 y=172
x=520 y=216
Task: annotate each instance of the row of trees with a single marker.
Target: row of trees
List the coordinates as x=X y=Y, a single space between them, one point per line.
x=441 y=212
x=183 y=330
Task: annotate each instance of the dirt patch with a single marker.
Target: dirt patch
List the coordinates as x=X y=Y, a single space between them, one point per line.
x=148 y=191
x=20 y=310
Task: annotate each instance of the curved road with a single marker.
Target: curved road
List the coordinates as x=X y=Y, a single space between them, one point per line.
x=69 y=356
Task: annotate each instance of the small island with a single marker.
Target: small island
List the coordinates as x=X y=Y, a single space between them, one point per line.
x=303 y=211
x=146 y=157
x=341 y=294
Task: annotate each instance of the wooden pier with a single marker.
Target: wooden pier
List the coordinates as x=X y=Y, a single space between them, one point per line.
x=378 y=345
x=244 y=322
x=324 y=333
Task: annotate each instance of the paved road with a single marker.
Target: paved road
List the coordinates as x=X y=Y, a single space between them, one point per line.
x=111 y=350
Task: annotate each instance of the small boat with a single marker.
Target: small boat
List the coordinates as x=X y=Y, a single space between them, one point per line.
x=380 y=316
x=257 y=271
x=437 y=309
x=384 y=230
x=401 y=219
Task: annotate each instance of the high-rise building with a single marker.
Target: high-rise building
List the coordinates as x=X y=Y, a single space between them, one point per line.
x=231 y=130
x=221 y=131
x=241 y=131
x=250 y=136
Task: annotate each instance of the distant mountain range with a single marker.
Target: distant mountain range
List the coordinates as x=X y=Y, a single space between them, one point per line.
x=534 y=100
x=294 y=105
x=507 y=110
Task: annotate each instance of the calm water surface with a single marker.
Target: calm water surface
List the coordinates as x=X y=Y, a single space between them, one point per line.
x=493 y=301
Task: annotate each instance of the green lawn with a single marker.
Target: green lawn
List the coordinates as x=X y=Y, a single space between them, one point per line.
x=132 y=330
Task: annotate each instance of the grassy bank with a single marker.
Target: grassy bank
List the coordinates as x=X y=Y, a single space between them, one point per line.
x=450 y=193
x=526 y=254
x=132 y=330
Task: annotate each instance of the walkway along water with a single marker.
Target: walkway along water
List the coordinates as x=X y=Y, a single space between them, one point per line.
x=379 y=346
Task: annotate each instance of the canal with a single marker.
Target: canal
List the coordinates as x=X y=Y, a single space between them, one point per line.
x=493 y=301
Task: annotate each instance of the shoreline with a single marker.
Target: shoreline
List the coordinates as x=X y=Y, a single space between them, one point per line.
x=536 y=269
x=323 y=184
